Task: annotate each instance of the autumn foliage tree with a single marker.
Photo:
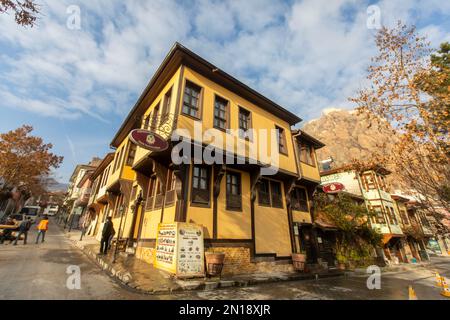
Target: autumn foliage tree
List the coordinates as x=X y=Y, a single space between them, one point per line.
x=25 y=11
x=25 y=161
x=408 y=92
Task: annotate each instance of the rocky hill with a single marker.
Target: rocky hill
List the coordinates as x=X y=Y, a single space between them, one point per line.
x=347 y=136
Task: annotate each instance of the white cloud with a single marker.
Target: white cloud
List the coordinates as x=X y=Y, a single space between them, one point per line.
x=306 y=55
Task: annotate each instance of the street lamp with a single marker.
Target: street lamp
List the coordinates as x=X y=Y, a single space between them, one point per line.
x=121 y=210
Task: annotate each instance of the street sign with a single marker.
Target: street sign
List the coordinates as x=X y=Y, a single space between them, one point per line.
x=334 y=187
x=148 y=140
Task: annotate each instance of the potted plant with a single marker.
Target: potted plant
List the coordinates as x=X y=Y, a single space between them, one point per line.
x=214 y=263
x=341 y=261
x=298 y=261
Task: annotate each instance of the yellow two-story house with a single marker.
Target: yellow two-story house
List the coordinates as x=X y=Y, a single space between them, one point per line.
x=233 y=166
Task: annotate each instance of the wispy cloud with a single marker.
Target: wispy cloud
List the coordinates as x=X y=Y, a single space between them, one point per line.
x=306 y=55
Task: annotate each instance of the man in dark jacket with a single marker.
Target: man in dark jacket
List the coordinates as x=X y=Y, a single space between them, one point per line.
x=108 y=231
x=24 y=227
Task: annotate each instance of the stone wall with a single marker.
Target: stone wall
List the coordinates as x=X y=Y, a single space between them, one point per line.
x=237 y=261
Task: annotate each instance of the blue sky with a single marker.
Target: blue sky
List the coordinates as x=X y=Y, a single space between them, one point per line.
x=76 y=86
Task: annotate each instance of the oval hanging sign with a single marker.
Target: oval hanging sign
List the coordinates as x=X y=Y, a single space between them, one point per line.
x=148 y=140
x=334 y=187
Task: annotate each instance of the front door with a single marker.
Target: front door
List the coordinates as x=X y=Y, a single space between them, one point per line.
x=326 y=243
x=307 y=244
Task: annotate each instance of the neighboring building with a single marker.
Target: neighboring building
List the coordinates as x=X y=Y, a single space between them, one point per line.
x=78 y=193
x=371 y=185
x=246 y=214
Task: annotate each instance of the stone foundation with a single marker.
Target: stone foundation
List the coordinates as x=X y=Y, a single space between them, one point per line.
x=145 y=254
x=237 y=261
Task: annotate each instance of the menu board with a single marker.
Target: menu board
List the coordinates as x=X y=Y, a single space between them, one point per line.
x=165 y=250
x=179 y=249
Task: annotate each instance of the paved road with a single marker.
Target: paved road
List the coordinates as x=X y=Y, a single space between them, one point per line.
x=39 y=272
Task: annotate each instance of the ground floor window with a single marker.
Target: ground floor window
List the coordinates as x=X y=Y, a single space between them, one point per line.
x=234 y=191
x=299 y=200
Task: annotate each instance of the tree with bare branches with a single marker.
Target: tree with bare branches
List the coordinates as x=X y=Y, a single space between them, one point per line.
x=409 y=93
x=25 y=11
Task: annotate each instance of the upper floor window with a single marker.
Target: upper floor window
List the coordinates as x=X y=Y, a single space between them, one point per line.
x=166 y=104
x=264 y=193
x=200 y=185
x=155 y=117
x=191 y=100
x=118 y=159
x=244 y=123
x=307 y=154
x=234 y=191
x=382 y=182
x=220 y=113
x=131 y=154
x=368 y=181
x=391 y=215
x=147 y=122
x=270 y=193
x=276 y=194
x=299 y=200
x=404 y=217
x=281 y=137
x=378 y=216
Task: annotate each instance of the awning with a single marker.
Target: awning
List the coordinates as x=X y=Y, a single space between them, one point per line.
x=323 y=222
x=389 y=236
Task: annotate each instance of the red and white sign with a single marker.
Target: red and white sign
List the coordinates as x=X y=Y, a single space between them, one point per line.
x=334 y=187
x=148 y=140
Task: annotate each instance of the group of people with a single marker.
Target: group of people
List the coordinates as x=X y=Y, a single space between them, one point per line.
x=13 y=230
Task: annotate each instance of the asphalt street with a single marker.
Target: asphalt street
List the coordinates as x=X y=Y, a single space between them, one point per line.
x=40 y=271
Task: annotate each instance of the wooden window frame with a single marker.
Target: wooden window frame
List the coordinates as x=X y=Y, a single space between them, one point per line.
x=246 y=133
x=199 y=100
x=376 y=217
x=308 y=151
x=132 y=148
x=264 y=197
x=167 y=101
x=196 y=203
x=227 y=113
x=366 y=184
x=155 y=117
x=279 y=202
x=229 y=196
x=281 y=140
x=391 y=215
x=297 y=201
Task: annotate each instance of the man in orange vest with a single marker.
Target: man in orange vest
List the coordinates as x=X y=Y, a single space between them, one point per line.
x=42 y=229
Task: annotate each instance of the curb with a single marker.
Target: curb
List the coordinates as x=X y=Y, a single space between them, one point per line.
x=125 y=278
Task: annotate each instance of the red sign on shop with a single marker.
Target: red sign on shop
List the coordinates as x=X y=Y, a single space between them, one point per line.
x=148 y=140
x=334 y=187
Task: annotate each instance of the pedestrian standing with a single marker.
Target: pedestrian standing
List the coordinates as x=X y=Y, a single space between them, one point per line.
x=42 y=229
x=24 y=227
x=107 y=232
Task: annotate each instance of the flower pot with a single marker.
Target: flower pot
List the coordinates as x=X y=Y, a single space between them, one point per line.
x=298 y=261
x=341 y=265
x=214 y=263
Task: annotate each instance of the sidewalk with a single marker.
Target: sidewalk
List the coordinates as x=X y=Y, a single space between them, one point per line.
x=142 y=277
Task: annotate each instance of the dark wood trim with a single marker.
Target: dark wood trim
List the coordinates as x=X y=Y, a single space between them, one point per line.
x=218 y=173
x=289 y=186
x=179 y=98
x=231 y=243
